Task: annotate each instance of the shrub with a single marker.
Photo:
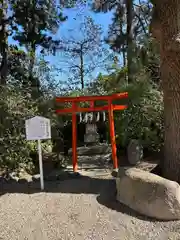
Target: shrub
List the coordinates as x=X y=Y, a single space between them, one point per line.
x=143 y=119
x=16 y=106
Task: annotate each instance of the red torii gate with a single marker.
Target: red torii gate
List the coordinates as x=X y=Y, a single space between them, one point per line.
x=76 y=109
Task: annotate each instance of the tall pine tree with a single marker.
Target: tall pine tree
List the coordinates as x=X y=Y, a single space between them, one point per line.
x=35 y=20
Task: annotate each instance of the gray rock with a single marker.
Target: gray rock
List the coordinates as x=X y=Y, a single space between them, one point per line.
x=135 y=152
x=24 y=177
x=13 y=177
x=148 y=194
x=36 y=177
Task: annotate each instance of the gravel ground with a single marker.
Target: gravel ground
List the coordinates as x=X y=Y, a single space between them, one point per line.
x=80 y=209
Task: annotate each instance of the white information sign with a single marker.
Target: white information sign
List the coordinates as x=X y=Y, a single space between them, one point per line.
x=38 y=128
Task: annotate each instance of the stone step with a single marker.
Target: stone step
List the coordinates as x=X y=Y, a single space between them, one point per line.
x=96 y=173
x=92 y=150
x=90 y=163
x=100 y=158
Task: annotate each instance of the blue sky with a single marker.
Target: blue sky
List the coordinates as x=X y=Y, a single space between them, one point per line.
x=74 y=18
x=103 y=19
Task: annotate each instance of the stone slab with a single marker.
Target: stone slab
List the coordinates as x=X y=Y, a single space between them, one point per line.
x=92 y=150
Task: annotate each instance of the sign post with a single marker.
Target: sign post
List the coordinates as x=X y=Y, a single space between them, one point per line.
x=40 y=164
x=38 y=128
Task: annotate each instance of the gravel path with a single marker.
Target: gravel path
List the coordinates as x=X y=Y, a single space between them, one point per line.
x=80 y=209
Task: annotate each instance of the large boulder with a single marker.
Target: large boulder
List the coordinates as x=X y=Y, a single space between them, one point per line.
x=148 y=194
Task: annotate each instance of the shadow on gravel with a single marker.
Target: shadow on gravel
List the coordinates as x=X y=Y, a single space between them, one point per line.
x=111 y=203
x=105 y=189
x=68 y=184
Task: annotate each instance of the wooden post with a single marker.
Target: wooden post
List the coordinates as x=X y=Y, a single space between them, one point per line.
x=112 y=134
x=74 y=138
x=40 y=164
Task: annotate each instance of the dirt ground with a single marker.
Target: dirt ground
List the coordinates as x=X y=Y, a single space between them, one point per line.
x=82 y=209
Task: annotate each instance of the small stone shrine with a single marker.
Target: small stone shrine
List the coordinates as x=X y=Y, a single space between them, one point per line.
x=91 y=136
x=93 y=153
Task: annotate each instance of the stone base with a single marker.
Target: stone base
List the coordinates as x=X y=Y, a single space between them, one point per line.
x=95 y=160
x=148 y=194
x=92 y=150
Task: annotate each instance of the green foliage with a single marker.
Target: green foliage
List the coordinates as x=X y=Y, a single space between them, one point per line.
x=129 y=27
x=143 y=119
x=17 y=66
x=35 y=18
x=15 y=109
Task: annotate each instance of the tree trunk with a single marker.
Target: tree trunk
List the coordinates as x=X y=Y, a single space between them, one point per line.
x=166 y=28
x=34 y=82
x=124 y=48
x=31 y=64
x=3 y=43
x=171 y=88
x=129 y=17
x=82 y=68
x=124 y=57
